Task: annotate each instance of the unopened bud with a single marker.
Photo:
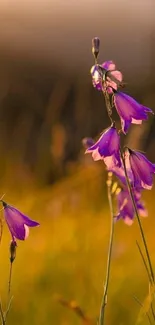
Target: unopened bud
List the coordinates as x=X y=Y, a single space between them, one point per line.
x=95 y=46
x=13 y=246
x=87 y=142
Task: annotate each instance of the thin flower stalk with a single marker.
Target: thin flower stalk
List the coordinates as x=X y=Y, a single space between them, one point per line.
x=108 y=105
x=105 y=294
x=8 y=309
x=2 y=314
x=144 y=262
x=9 y=283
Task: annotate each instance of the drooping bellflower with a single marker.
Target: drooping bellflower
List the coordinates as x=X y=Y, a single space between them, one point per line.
x=125 y=206
x=17 y=222
x=129 y=110
x=107 y=148
x=141 y=168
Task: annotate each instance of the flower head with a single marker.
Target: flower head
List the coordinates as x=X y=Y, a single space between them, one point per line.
x=141 y=168
x=129 y=110
x=107 y=148
x=125 y=206
x=17 y=222
x=106 y=76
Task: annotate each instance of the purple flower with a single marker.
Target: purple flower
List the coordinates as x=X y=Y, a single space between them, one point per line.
x=129 y=110
x=141 y=168
x=106 y=76
x=107 y=148
x=125 y=206
x=17 y=222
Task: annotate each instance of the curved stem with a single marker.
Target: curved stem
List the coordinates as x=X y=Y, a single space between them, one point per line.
x=105 y=294
x=138 y=218
x=144 y=262
x=2 y=314
x=10 y=277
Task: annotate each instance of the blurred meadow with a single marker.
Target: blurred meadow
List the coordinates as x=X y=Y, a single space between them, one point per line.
x=47 y=106
x=66 y=256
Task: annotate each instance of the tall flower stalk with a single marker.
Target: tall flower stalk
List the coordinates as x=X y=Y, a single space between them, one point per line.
x=133 y=170
x=105 y=294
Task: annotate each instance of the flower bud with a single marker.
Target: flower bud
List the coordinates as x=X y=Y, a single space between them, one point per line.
x=95 y=46
x=13 y=246
x=87 y=142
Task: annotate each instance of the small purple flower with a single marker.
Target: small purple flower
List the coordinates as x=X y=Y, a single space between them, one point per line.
x=125 y=206
x=17 y=222
x=106 y=76
x=107 y=148
x=141 y=168
x=87 y=142
x=129 y=110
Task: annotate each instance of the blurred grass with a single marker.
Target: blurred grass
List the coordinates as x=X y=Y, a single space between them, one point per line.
x=66 y=255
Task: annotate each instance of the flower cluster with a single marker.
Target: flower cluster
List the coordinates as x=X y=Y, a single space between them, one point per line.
x=140 y=170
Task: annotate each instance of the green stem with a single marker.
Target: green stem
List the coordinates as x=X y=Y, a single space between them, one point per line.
x=2 y=314
x=105 y=294
x=138 y=218
x=9 y=283
x=108 y=105
x=148 y=273
x=8 y=308
x=152 y=310
x=144 y=262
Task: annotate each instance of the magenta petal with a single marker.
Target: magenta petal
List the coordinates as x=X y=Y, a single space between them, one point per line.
x=129 y=110
x=107 y=147
x=142 y=169
x=96 y=77
x=17 y=222
x=125 y=206
x=109 y=65
x=117 y=74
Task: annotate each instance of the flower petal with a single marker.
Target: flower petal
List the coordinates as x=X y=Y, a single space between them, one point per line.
x=128 y=221
x=96 y=155
x=17 y=222
x=129 y=110
x=108 y=145
x=109 y=65
x=26 y=231
x=142 y=169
